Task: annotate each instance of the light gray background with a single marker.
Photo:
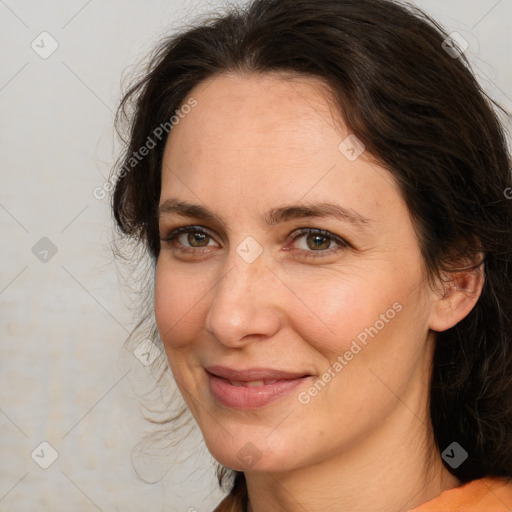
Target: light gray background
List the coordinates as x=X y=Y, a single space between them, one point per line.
x=64 y=378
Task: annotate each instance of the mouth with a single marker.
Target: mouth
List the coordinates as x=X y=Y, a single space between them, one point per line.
x=252 y=383
x=252 y=388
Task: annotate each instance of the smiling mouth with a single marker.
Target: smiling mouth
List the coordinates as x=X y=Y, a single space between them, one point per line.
x=265 y=375
x=252 y=383
x=252 y=388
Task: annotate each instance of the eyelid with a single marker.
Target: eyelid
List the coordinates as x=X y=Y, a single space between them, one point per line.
x=296 y=234
x=174 y=233
x=299 y=233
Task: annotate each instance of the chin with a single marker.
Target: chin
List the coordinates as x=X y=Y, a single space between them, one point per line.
x=242 y=454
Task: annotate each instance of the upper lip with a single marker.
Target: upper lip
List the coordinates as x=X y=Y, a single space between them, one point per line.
x=253 y=374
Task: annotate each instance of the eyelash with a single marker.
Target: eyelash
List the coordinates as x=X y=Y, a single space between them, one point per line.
x=342 y=244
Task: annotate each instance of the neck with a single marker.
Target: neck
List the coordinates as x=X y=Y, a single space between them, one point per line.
x=394 y=469
x=395 y=480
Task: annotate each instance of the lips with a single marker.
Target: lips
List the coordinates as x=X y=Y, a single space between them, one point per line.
x=252 y=383
x=251 y=375
x=253 y=387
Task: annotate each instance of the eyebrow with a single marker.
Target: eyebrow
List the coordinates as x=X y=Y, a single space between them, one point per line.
x=273 y=216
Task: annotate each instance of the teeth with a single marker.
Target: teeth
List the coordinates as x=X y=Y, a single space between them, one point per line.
x=253 y=383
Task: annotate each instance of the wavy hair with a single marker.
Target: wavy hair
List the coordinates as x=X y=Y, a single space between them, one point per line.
x=414 y=102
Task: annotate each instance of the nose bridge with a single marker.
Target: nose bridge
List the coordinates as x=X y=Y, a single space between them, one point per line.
x=242 y=299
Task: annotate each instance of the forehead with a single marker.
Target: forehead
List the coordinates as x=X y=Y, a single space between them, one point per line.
x=250 y=123
x=273 y=92
x=269 y=139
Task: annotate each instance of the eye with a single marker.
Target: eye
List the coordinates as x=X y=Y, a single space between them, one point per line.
x=318 y=243
x=188 y=238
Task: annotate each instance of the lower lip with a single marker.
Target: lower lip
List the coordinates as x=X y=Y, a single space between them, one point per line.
x=244 y=397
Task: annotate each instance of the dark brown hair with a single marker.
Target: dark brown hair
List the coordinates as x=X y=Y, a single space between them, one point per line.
x=420 y=112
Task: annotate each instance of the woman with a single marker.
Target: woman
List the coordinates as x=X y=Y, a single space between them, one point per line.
x=321 y=186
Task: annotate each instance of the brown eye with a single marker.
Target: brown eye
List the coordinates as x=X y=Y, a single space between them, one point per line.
x=188 y=238
x=197 y=237
x=318 y=243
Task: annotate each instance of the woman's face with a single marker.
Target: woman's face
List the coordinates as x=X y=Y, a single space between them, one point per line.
x=334 y=322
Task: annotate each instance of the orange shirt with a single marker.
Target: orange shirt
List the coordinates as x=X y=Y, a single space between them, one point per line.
x=489 y=494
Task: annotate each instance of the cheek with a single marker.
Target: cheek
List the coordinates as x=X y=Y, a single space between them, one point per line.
x=177 y=304
x=333 y=310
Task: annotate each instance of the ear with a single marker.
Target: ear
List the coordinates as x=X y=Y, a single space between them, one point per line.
x=455 y=296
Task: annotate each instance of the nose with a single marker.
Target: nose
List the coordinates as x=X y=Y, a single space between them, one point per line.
x=246 y=302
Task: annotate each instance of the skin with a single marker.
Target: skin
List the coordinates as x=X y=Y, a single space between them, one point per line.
x=256 y=142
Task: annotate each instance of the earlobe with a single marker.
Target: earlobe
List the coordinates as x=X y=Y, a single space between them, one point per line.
x=455 y=297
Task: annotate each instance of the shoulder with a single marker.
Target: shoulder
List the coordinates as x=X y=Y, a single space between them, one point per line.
x=488 y=494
